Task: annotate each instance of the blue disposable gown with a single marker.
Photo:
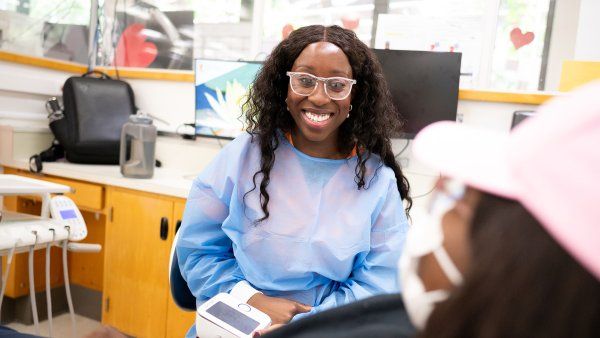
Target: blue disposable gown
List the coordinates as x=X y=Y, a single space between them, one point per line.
x=325 y=243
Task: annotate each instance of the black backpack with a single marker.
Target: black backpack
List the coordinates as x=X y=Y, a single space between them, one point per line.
x=88 y=128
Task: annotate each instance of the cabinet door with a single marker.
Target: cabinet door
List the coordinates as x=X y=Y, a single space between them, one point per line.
x=178 y=321
x=136 y=263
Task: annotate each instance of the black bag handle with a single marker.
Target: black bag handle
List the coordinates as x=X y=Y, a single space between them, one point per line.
x=55 y=152
x=103 y=75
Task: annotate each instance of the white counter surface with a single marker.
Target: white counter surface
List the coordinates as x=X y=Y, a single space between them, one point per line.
x=168 y=182
x=171 y=182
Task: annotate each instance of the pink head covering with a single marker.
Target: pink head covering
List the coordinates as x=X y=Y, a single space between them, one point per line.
x=550 y=163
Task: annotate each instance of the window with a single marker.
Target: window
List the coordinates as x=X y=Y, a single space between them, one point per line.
x=46 y=28
x=284 y=15
x=144 y=35
x=518 y=56
x=437 y=25
x=503 y=41
x=221 y=29
x=173 y=33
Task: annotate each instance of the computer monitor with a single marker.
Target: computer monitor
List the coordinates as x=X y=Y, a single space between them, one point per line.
x=520 y=116
x=221 y=90
x=424 y=86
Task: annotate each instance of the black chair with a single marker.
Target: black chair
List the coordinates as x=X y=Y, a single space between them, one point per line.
x=180 y=291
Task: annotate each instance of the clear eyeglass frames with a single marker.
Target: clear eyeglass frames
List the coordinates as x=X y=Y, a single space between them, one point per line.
x=336 y=88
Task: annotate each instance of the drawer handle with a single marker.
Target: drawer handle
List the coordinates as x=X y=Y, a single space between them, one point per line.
x=164 y=228
x=177 y=225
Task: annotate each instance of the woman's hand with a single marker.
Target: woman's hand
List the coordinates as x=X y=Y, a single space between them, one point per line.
x=267 y=330
x=280 y=310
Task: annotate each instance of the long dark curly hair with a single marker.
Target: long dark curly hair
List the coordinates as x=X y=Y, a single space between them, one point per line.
x=369 y=127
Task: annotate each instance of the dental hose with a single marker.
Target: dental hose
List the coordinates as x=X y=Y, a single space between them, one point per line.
x=48 y=296
x=67 y=286
x=5 y=276
x=32 y=287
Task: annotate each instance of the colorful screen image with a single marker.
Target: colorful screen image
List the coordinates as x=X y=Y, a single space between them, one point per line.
x=221 y=90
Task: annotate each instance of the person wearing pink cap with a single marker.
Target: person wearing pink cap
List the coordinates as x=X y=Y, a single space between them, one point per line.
x=511 y=243
x=511 y=246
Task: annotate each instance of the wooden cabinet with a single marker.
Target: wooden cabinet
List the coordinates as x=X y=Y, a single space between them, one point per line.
x=87 y=196
x=136 y=230
x=136 y=262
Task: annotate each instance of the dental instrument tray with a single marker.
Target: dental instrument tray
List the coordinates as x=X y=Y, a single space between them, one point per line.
x=31 y=231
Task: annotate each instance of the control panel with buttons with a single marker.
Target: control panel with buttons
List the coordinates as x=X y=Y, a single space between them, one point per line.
x=63 y=209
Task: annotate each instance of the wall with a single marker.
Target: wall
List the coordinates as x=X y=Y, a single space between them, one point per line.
x=167 y=100
x=23 y=93
x=574 y=36
x=24 y=89
x=562 y=42
x=587 y=42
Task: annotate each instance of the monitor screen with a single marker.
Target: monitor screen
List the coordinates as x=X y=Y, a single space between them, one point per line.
x=233 y=317
x=221 y=90
x=424 y=86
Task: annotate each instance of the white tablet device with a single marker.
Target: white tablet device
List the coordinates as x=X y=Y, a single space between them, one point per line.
x=226 y=317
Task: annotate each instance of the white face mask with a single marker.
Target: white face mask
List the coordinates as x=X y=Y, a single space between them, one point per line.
x=424 y=238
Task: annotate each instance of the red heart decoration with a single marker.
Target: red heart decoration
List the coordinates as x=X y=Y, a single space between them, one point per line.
x=286 y=31
x=519 y=39
x=350 y=21
x=133 y=50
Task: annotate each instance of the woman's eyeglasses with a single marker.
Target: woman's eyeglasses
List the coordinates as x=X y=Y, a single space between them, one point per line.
x=337 y=88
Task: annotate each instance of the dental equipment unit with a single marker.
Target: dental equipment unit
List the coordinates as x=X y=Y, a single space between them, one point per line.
x=59 y=224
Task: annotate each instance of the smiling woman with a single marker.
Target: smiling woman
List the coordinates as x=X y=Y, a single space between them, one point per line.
x=318 y=114
x=304 y=212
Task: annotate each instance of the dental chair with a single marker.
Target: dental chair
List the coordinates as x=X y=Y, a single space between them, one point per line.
x=180 y=291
